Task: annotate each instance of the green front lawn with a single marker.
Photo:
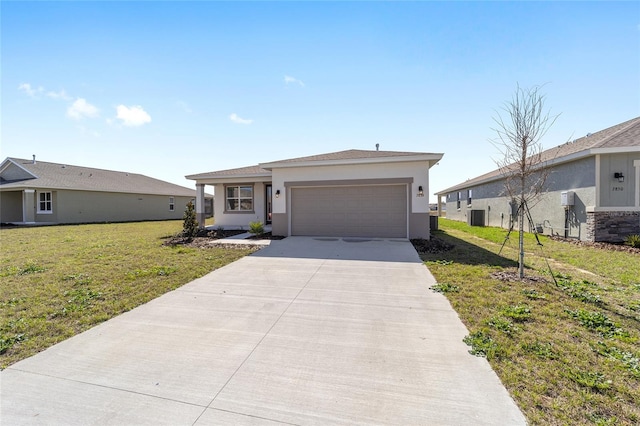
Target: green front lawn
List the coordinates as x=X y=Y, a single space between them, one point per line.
x=568 y=353
x=61 y=280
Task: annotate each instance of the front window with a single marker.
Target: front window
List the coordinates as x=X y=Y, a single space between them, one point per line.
x=458 y=200
x=239 y=198
x=45 y=202
x=469 y=197
x=172 y=204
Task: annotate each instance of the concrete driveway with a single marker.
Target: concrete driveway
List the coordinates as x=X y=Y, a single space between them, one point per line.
x=305 y=331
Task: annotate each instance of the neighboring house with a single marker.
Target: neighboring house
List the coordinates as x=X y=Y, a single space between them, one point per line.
x=592 y=190
x=352 y=193
x=37 y=192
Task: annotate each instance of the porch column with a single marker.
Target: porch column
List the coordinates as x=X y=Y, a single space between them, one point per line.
x=200 y=215
x=439 y=205
x=29 y=205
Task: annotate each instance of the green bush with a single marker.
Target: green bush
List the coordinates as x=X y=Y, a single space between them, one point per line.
x=256 y=228
x=190 y=224
x=633 y=241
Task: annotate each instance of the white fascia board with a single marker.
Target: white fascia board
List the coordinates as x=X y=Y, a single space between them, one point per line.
x=232 y=179
x=621 y=150
x=401 y=159
x=204 y=176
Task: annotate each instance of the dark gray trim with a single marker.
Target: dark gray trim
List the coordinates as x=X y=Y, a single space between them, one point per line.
x=350 y=182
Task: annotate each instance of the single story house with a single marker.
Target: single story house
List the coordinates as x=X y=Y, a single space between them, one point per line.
x=592 y=190
x=354 y=193
x=41 y=193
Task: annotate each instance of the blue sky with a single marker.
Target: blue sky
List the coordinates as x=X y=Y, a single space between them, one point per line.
x=168 y=89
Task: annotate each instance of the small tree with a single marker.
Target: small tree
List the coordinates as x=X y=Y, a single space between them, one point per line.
x=518 y=139
x=190 y=224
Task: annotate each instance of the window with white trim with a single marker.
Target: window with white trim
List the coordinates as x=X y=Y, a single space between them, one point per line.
x=239 y=198
x=458 y=200
x=469 y=197
x=172 y=204
x=45 y=202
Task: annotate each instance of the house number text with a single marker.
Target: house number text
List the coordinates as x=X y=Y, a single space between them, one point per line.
x=618 y=188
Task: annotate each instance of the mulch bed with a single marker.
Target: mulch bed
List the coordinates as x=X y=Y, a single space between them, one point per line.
x=207 y=238
x=434 y=245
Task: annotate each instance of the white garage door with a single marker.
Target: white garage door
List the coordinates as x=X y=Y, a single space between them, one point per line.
x=350 y=211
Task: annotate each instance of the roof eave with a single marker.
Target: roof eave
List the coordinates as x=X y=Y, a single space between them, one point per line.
x=240 y=178
x=616 y=150
x=431 y=158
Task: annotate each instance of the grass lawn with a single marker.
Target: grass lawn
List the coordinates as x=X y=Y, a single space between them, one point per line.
x=568 y=353
x=61 y=280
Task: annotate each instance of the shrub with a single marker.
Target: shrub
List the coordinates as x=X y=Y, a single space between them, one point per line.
x=633 y=241
x=190 y=224
x=256 y=228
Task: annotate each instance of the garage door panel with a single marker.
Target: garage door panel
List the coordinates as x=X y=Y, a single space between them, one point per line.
x=358 y=211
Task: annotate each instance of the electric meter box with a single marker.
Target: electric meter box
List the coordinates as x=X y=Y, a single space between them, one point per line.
x=567 y=198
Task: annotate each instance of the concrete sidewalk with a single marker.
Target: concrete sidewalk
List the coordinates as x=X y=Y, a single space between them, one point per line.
x=305 y=331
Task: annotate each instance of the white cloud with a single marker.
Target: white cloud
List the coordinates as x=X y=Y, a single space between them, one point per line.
x=30 y=91
x=234 y=117
x=288 y=79
x=59 y=95
x=80 y=109
x=132 y=116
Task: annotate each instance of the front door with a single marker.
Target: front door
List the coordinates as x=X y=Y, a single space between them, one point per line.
x=268 y=205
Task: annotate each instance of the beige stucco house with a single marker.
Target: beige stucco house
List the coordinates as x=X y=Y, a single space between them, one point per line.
x=354 y=193
x=38 y=193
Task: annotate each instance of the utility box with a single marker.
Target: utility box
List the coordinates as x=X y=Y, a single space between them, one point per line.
x=475 y=218
x=567 y=198
x=433 y=222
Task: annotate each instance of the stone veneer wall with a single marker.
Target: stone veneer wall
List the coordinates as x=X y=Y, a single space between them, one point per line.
x=612 y=227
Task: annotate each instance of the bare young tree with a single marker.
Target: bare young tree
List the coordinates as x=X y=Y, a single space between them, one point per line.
x=519 y=132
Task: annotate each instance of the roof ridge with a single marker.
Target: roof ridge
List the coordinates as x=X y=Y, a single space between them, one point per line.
x=623 y=127
x=29 y=161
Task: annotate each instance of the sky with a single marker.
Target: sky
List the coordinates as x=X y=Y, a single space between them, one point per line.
x=168 y=89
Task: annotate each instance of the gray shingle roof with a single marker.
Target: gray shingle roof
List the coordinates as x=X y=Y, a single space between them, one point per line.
x=62 y=176
x=623 y=135
x=351 y=154
x=241 y=171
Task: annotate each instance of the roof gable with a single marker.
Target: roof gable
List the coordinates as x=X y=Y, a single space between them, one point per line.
x=47 y=175
x=11 y=171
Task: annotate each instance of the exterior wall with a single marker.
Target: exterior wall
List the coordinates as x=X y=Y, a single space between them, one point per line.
x=88 y=207
x=612 y=192
x=419 y=225
x=417 y=174
x=239 y=220
x=612 y=226
x=11 y=206
x=547 y=211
